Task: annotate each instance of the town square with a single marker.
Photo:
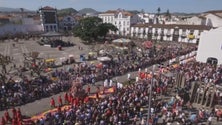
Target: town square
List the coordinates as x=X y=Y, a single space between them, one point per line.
x=146 y=66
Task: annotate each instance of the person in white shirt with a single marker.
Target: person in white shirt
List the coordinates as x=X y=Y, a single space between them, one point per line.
x=209 y=120
x=118 y=85
x=110 y=83
x=137 y=79
x=128 y=76
x=105 y=83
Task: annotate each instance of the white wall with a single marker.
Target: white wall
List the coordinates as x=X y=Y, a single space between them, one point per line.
x=214 y=20
x=194 y=20
x=13 y=29
x=28 y=21
x=210 y=45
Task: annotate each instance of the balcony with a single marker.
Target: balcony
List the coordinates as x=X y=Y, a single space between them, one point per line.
x=168 y=34
x=183 y=35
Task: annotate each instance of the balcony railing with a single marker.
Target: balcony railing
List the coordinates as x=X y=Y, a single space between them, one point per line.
x=183 y=35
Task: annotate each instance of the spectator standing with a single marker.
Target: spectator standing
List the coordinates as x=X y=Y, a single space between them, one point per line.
x=52 y=103
x=60 y=101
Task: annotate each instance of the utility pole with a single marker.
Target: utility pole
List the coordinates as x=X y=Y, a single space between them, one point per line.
x=150 y=96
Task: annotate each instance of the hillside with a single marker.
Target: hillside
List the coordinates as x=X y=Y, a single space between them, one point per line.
x=7 y=9
x=87 y=10
x=67 y=11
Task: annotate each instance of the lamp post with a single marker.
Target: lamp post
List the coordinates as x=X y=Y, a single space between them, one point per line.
x=150 y=96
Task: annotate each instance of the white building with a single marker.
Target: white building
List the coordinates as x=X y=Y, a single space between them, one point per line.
x=121 y=19
x=13 y=29
x=28 y=21
x=48 y=17
x=210 y=18
x=90 y=15
x=170 y=32
x=67 y=23
x=213 y=20
x=210 y=46
x=196 y=20
x=146 y=18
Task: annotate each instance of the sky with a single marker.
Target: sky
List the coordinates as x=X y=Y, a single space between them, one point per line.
x=188 y=6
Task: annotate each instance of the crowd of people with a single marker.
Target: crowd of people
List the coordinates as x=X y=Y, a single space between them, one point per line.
x=16 y=93
x=128 y=103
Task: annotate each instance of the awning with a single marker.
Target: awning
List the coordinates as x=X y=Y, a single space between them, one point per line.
x=121 y=40
x=50 y=60
x=104 y=59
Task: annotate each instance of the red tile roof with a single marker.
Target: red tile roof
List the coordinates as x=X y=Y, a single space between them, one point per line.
x=125 y=13
x=111 y=11
x=172 y=26
x=214 y=11
x=4 y=17
x=47 y=8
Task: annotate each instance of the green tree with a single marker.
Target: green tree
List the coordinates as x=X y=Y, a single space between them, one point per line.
x=158 y=11
x=104 y=28
x=90 y=28
x=168 y=15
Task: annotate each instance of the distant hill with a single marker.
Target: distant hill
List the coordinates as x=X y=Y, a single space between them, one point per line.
x=184 y=14
x=66 y=11
x=87 y=10
x=133 y=11
x=7 y=9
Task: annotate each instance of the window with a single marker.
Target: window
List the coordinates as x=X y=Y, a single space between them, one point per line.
x=120 y=15
x=123 y=23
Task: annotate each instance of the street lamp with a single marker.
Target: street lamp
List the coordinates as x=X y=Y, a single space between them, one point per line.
x=150 y=95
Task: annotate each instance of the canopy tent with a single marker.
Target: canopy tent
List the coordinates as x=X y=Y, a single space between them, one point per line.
x=121 y=48
x=121 y=40
x=102 y=59
x=147 y=44
x=50 y=60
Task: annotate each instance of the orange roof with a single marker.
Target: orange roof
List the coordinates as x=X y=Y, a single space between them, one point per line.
x=36 y=17
x=214 y=11
x=4 y=17
x=172 y=26
x=47 y=8
x=111 y=11
x=125 y=13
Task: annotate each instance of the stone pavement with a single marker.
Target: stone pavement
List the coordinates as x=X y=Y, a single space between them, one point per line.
x=26 y=46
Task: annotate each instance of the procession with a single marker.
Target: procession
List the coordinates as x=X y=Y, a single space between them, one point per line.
x=79 y=105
